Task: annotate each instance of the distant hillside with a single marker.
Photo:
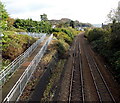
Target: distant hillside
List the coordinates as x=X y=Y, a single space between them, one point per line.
x=67 y=22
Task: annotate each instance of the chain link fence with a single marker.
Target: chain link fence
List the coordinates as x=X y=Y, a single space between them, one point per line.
x=6 y=73
x=38 y=35
x=18 y=88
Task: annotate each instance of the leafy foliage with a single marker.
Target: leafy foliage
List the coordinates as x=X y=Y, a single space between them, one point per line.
x=96 y=34
x=3 y=17
x=115 y=35
x=72 y=24
x=62 y=36
x=14 y=44
x=62 y=48
x=65 y=37
x=114 y=15
x=107 y=43
x=33 y=26
x=44 y=17
x=66 y=34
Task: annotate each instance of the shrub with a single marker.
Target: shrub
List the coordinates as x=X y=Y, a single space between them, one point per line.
x=56 y=30
x=14 y=44
x=115 y=36
x=69 y=33
x=95 y=34
x=107 y=43
x=62 y=48
x=62 y=36
x=73 y=31
x=117 y=60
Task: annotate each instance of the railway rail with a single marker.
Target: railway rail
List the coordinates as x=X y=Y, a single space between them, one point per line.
x=102 y=89
x=76 y=89
x=84 y=79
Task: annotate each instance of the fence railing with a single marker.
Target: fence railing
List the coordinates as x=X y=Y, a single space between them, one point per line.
x=38 y=35
x=18 y=88
x=35 y=34
x=6 y=73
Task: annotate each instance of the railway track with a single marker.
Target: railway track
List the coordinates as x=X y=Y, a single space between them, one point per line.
x=86 y=82
x=102 y=89
x=76 y=90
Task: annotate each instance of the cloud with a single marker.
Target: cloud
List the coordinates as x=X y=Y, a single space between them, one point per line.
x=21 y=6
x=93 y=11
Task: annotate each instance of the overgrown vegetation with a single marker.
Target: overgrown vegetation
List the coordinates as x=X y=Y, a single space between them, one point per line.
x=14 y=44
x=33 y=26
x=3 y=17
x=107 y=43
x=65 y=37
x=51 y=87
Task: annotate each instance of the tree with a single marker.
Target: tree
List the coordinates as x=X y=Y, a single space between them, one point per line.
x=3 y=16
x=115 y=35
x=72 y=24
x=44 y=17
x=114 y=15
x=33 y=26
x=10 y=22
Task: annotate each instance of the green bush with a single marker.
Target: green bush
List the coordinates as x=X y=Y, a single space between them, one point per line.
x=14 y=44
x=107 y=43
x=62 y=48
x=115 y=36
x=69 y=33
x=3 y=17
x=62 y=36
x=56 y=30
x=33 y=26
x=73 y=31
x=117 y=60
x=96 y=34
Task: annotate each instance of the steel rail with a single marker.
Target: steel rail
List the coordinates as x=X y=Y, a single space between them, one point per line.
x=96 y=86
x=71 y=79
x=94 y=81
x=77 y=46
x=104 y=80
x=82 y=80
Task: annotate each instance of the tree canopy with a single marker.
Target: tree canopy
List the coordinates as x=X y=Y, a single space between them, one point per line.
x=3 y=16
x=33 y=26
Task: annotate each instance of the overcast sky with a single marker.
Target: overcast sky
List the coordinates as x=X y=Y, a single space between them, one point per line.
x=91 y=11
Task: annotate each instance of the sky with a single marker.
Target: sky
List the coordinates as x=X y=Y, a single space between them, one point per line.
x=86 y=11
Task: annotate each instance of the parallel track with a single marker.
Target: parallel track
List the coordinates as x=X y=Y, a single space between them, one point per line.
x=76 y=92
x=101 y=86
x=76 y=89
